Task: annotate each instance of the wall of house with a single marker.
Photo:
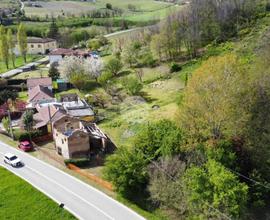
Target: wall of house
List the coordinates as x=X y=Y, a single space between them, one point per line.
x=78 y=145
x=37 y=48
x=55 y=58
x=61 y=143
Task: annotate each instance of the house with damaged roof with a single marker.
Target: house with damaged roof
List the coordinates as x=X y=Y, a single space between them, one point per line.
x=77 y=139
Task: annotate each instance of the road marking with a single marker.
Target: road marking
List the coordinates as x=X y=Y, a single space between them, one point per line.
x=41 y=190
x=77 y=180
x=68 y=190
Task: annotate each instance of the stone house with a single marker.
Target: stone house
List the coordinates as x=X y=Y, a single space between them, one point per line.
x=36 y=45
x=79 y=139
x=71 y=139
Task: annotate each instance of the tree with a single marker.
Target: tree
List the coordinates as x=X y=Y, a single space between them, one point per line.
x=22 y=41
x=132 y=85
x=6 y=124
x=28 y=120
x=109 y=6
x=72 y=69
x=53 y=30
x=53 y=72
x=127 y=170
x=93 y=67
x=162 y=138
x=11 y=46
x=217 y=187
x=5 y=95
x=166 y=185
x=113 y=66
x=4 y=50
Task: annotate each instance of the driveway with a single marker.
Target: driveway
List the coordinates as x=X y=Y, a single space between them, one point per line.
x=82 y=200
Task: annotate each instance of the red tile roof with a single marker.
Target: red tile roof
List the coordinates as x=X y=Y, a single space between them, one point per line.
x=39 y=93
x=68 y=52
x=33 y=82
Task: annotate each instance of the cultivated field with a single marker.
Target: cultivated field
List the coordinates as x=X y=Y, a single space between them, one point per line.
x=68 y=8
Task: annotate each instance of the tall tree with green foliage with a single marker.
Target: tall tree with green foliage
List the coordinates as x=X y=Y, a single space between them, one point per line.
x=4 y=50
x=22 y=41
x=53 y=30
x=127 y=170
x=6 y=124
x=214 y=186
x=28 y=120
x=162 y=138
x=11 y=46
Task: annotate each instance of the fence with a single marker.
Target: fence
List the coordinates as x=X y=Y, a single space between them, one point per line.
x=92 y=177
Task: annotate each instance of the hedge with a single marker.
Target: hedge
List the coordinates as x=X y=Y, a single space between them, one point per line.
x=26 y=135
x=78 y=162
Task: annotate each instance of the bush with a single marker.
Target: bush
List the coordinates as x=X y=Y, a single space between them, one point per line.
x=175 y=67
x=27 y=135
x=78 y=162
x=132 y=85
x=104 y=78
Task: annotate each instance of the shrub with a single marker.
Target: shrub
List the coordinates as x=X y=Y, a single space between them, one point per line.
x=175 y=67
x=81 y=162
x=27 y=135
x=132 y=85
x=104 y=78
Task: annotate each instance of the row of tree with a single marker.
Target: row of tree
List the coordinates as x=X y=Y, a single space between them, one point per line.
x=8 y=44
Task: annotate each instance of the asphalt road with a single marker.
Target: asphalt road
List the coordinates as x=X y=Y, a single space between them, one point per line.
x=82 y=200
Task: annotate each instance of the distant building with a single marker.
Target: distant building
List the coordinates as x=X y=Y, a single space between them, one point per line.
x=58 y=54
x=36 y=45
x=46 y=82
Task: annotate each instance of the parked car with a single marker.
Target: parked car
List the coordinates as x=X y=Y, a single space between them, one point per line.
x=26 y=146
x=12 y=160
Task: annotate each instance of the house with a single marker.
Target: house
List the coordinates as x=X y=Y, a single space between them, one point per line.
x=45 y=116
x=76 y=139
x=76 y=107
x=71 y=139
x=36 y=45
x=40 y=94
x=58 y=54
x=46 y=82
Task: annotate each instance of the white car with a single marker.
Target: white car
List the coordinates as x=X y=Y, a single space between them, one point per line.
x=12 y=160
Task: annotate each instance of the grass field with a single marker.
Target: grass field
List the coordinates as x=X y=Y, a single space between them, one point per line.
x=68 y=8
x=19 y=200
x=19 y=62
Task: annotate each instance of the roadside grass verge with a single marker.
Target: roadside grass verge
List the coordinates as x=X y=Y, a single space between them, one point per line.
x=18 y=62
x=20 y=200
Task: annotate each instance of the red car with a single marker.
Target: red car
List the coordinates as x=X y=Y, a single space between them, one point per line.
x=25 y=146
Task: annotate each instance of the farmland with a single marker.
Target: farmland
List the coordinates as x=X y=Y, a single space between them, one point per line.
x=19 y=199
x=148 y=8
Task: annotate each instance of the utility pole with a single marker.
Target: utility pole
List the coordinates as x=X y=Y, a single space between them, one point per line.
x=10 y=125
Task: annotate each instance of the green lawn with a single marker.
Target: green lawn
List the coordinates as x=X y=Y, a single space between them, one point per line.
x=19 y=62
x=19 y=200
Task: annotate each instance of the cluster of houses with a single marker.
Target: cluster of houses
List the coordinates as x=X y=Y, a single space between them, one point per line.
x=48 y=46
x=68 y=119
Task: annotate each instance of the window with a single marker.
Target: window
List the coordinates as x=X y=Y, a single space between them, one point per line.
x=59 y=150
x=62 y=141
x=39 y=46
x=32 y=46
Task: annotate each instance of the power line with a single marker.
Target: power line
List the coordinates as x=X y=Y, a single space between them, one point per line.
x=251 y=180
x=172 y=178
